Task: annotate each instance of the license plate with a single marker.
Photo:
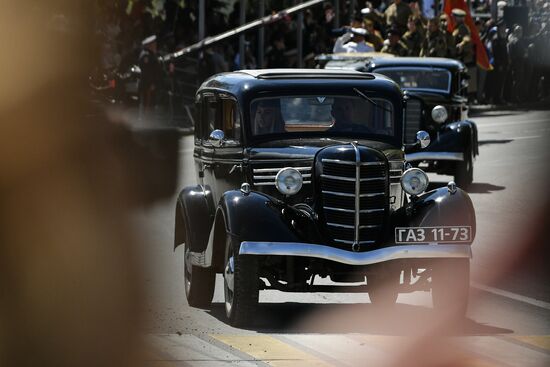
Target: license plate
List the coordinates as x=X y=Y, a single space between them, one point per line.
x=433 y=234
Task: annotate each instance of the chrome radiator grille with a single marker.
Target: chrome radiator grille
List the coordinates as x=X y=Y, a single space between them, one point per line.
x=354 y=200
x=412 y=120
x=265 y=175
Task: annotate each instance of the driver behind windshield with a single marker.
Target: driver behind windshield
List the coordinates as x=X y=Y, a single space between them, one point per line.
x=342 y=114
x=267 y=118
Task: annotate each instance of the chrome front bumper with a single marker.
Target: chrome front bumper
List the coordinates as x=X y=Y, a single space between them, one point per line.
x=434 y=156
x=430 y=251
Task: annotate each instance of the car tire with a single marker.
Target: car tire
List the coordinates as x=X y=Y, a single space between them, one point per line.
x=199 y=282
x=464 y=173
x=241 y=284
x=451 y=287
x=383 y=288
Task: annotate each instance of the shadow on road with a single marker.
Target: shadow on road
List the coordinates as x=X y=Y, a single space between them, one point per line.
x=495 y=141
x=400 y=320
x=474 y=188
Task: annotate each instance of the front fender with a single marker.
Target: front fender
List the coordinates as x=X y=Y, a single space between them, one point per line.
x=455 y=137
x=255 y=217
x=440 y=207
x=194 y=217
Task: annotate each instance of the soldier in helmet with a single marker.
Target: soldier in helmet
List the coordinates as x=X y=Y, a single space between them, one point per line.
x=393 y=45
x=463 y=38
x=449 y=39
x=435 y=43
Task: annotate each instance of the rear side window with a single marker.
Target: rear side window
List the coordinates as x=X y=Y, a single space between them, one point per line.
x=231 y=120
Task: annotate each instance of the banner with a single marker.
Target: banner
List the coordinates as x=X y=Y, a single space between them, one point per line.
x=481 y=53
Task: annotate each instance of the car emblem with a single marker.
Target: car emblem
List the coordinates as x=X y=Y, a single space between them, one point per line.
x=321 y=99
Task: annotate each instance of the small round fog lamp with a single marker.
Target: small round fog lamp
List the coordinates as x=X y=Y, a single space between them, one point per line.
x=288 y=181
x=414 y=181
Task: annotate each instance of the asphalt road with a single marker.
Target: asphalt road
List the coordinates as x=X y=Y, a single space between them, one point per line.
x=508 y=321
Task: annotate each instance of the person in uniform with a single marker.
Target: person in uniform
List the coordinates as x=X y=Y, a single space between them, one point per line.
x=393 y=45
x=151 y=74
x=413 y=37
x=462 y=38
x=397 y=15
x=435 y=43
x=353 y=41
x=373 y=35
x=449 y=40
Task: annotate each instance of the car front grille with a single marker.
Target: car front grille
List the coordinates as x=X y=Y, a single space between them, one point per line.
x=354 y=195
x=264 y=174
x=412 y=120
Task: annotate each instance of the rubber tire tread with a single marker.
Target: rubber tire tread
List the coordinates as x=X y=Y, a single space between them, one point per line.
x=451 y=287
x=464 y=177
x=246 y=288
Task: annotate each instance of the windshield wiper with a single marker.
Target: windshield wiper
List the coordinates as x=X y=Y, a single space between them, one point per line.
x=365 y=97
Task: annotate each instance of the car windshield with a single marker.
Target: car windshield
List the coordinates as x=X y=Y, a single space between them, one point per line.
x=428 y=79
x=323 y=114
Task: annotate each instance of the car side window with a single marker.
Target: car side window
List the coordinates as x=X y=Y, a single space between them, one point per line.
x=209 y=116
x=231 y=120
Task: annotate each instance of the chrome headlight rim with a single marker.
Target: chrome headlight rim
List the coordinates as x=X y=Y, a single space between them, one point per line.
x=414 y=181
x=289 y=181
x=439 y=114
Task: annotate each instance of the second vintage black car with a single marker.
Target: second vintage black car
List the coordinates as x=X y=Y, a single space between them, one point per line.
x=301 y=174
x=436 y=91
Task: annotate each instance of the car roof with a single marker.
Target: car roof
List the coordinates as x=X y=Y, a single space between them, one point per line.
x=262 y=80
x=437 y=62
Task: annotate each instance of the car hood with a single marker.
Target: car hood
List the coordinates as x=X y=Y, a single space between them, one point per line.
x=429 y=97
x=307 y=148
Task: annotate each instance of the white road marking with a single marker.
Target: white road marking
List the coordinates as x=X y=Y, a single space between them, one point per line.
x=514 y=296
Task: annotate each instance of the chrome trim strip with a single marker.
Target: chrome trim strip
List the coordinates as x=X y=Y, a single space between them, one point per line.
x=357 y=192
x=371 y=210
x=352 y=195
x=370 y=226
x=272 y=183
x=339 y=178
x=351 y=242
x=351 y=179
x=428 y=251
x=351 y=162
x=339 y=209
x=340 y=225
x=438 y=156
x=305 y=175
x=260 y=170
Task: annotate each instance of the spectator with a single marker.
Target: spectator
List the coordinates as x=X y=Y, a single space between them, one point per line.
x=352 y=41
x=413 y=37
x=151 y=74
x=275 y=54
x=462 y=38
x=499 y=48
x=373 y=35
x=435 y=43
x=393 y=45
x=449 y=39
x=397 y=15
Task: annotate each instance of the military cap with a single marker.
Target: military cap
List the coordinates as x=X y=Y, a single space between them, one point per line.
x=458 y=12
x=359 y=31
x=149 y=40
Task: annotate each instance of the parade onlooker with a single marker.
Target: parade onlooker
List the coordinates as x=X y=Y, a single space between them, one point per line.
x=275 y=54
x=449 y=39
x=499 y=51
x=373 y=35
x=393 y=45
x=151 y=74
x=435 y=43
x=397 y=15
x=414 y=36
x=462 y=38
x=353 y=41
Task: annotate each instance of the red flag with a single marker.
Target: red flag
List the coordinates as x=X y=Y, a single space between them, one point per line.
x=481 y=53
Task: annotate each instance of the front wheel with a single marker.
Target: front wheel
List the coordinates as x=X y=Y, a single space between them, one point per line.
x=199 y=283
x=451 y=287
x=464 y=172
x=241 y=284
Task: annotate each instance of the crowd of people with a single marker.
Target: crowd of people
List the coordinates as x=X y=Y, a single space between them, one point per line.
x=516 y=52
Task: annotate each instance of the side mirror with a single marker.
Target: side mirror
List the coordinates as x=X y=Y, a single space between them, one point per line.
x=423 y=139
x=217 y=138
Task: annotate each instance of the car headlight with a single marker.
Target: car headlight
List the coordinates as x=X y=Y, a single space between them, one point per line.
x=288 y=181
x=439 y=114
x=414 y=181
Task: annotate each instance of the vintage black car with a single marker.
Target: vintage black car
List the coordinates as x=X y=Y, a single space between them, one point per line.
x=436 y=89
x=302 y=174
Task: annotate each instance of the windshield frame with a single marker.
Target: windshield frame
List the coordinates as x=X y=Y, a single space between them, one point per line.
x=394 y=139
x=418 y=68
